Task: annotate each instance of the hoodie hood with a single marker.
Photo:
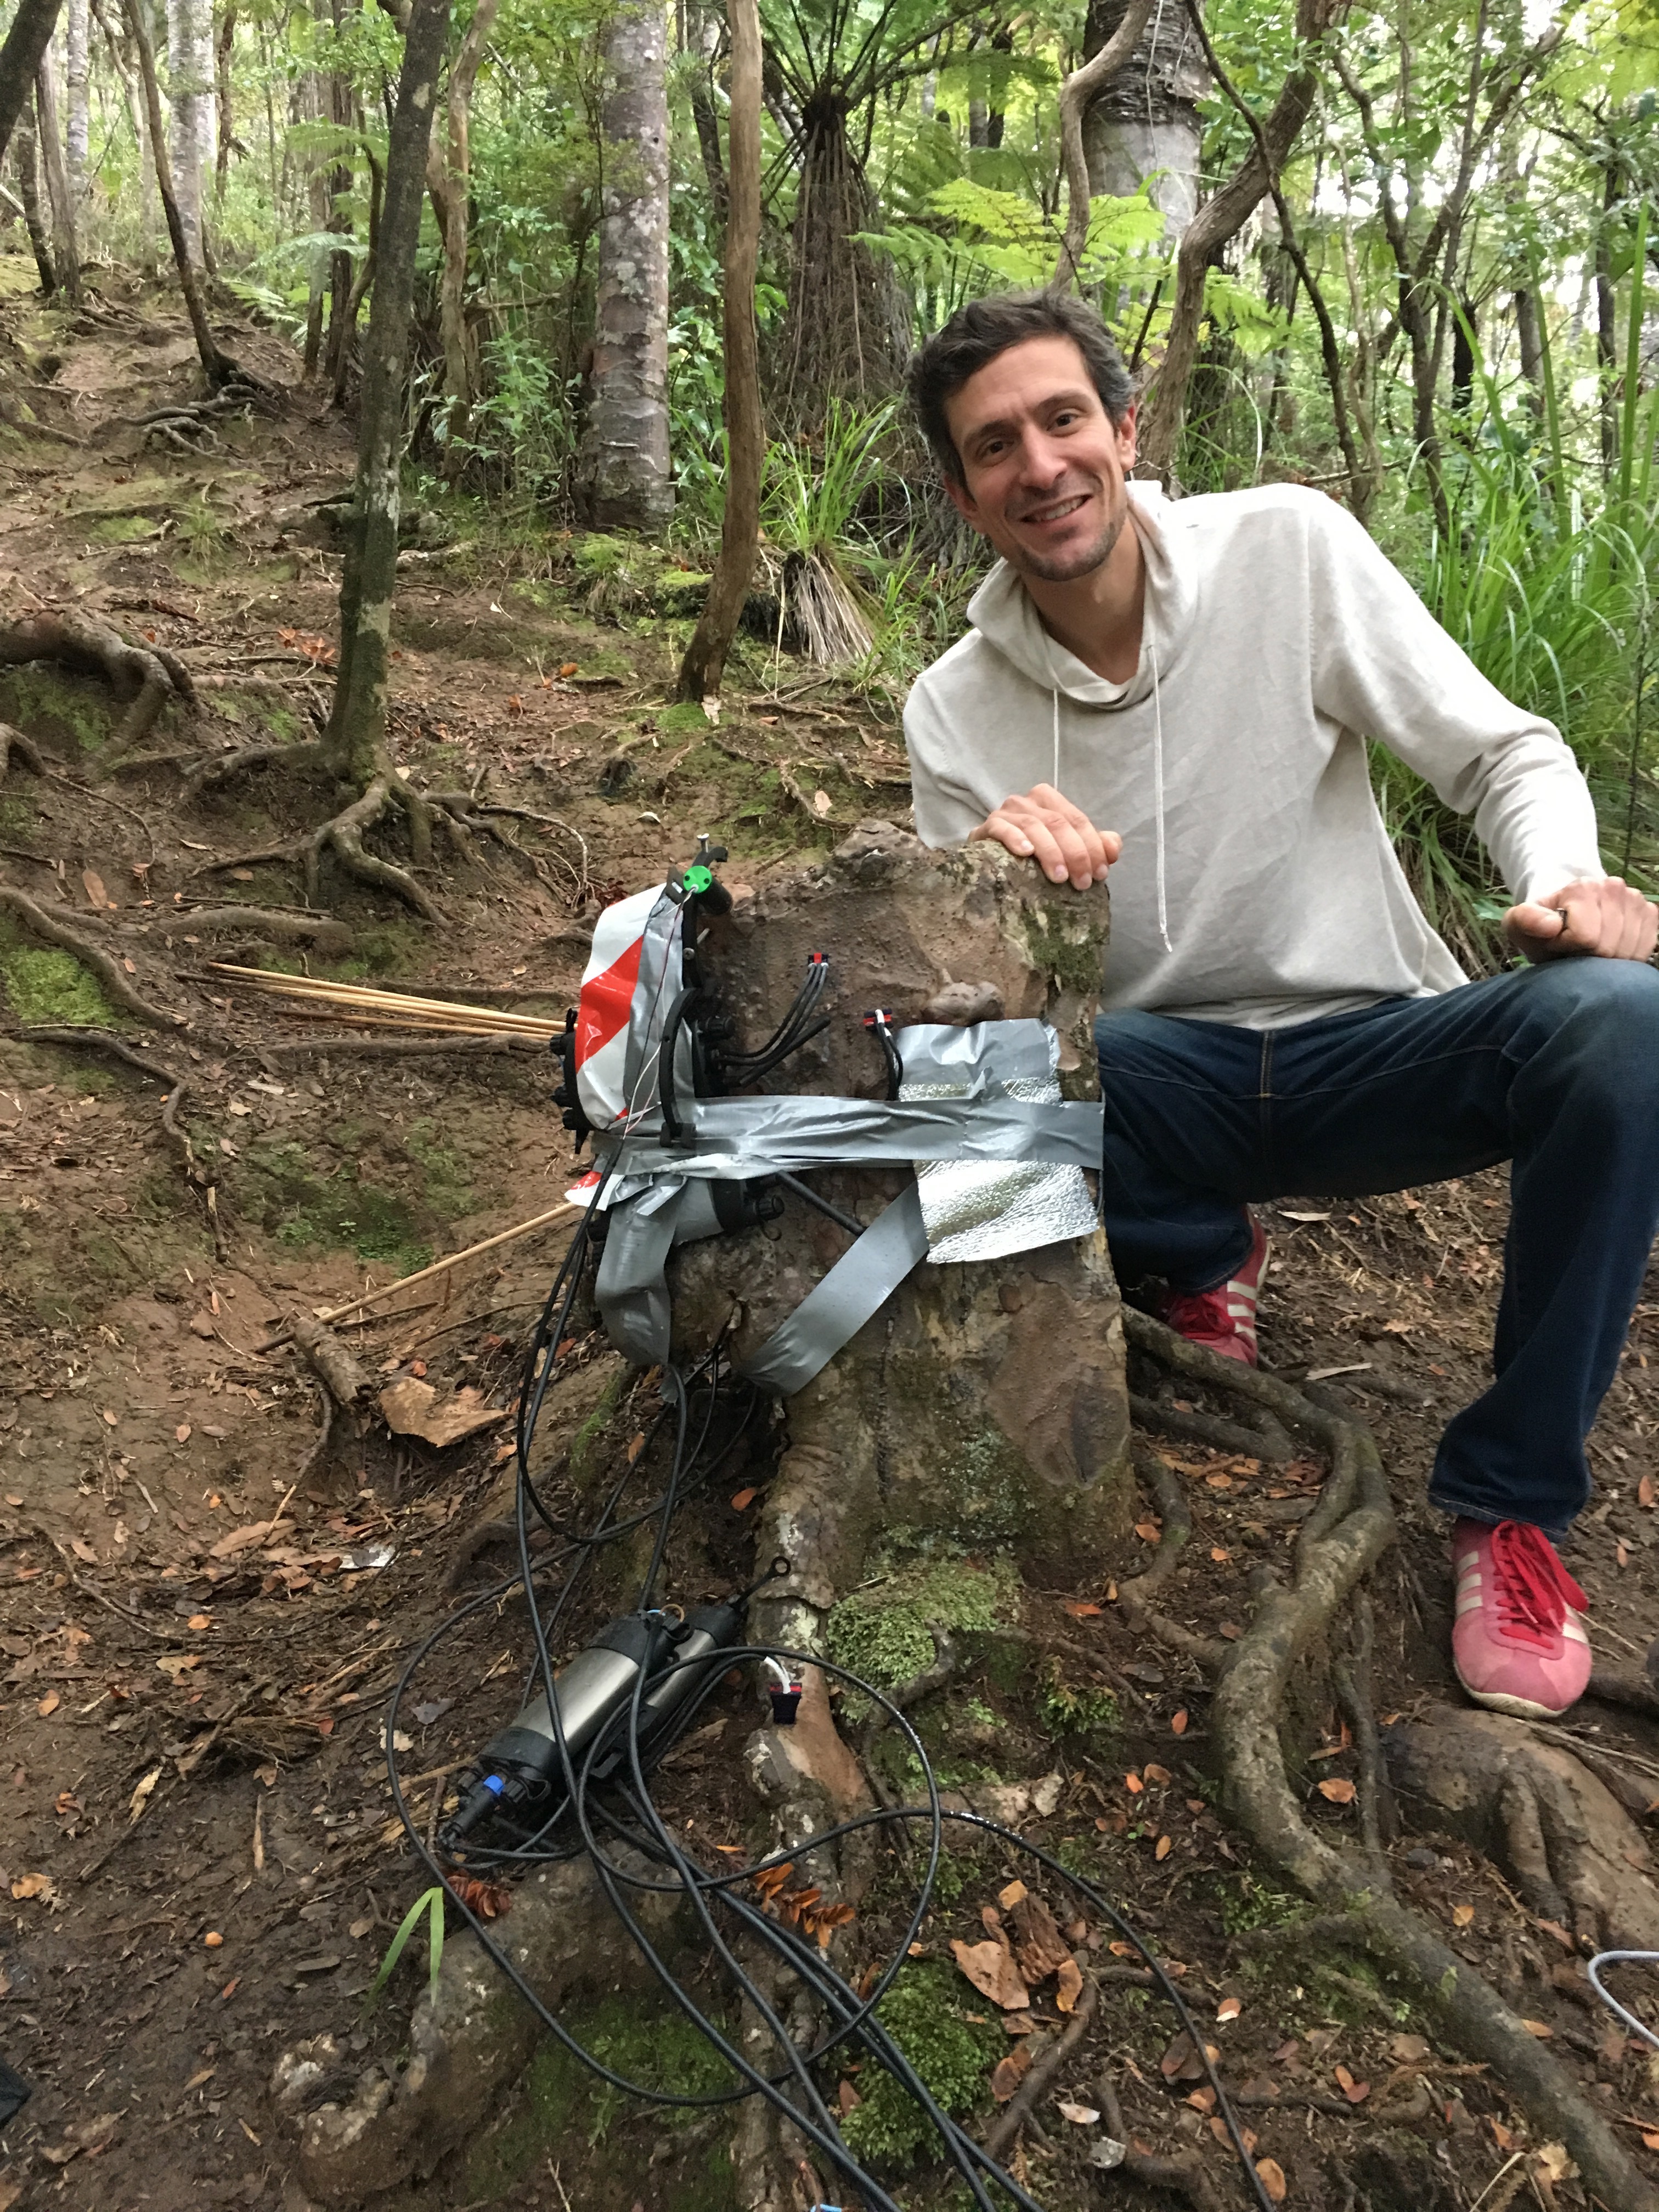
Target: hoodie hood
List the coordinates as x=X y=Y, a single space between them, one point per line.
x=1003 y=614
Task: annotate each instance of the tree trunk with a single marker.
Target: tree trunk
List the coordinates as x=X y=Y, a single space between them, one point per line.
x=1146 y=117
x=65 y=253
x=312 y=97
x=1221 y=217
x=1529 y=338
x=1606 y=321
x=844 y=334
x=365 y=278
x=342 y=112
x=627 y=481
x=133 y=96
x=20 y=56
x=29 y=188
x=745 y=428
x=223 y=48
x=984 y=1404
x=189 y=82
x=218 y=366
x=77 y=80
x=448 y=180
x=355 y=738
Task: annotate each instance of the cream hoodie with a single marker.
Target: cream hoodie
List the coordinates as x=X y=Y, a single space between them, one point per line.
x=1257 y=883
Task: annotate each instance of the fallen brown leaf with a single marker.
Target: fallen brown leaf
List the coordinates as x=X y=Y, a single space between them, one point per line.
x=1011 y=2072
x=1068 y=1986
x=410 y=1408
x=990 y=1967
x=1270 y=2174
x=1178 y=1723
x=1338 y=1791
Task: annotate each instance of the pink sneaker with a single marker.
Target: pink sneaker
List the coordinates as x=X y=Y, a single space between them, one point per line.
x=1518 y=1645
x=1223 y=1319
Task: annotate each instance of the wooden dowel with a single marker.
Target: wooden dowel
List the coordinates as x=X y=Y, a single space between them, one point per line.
x=438 y=1267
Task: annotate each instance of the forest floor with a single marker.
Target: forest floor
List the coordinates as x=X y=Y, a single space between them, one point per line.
x=201 y=1620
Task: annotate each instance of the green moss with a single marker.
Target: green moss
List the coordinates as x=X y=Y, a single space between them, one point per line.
x=923 y=2013
x=682 y=719
x=301 y=1208
x=123 y=529
x=1066 y=946
x=48 y=704
x=884 y=1633
x=52 y=988
x=447 y=1191
x=660 y=2049
x=587 y=1446
x=1070 y=1711
x=19 y=817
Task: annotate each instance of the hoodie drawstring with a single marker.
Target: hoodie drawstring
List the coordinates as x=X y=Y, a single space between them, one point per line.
x=1157 y=787
x=1157 y=798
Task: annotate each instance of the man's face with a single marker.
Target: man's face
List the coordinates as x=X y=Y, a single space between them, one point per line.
x=1044 y=463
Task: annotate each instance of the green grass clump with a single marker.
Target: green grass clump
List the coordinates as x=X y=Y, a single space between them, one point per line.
x=53 y=989
x=923 y=2014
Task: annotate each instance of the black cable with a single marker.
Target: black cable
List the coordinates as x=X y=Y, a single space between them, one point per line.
x=850 y=1222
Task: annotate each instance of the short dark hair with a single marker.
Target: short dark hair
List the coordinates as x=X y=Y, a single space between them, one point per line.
x=978 y=333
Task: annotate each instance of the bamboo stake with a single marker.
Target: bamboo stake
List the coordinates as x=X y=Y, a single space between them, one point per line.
x=395 y=1008
x=438 y=1267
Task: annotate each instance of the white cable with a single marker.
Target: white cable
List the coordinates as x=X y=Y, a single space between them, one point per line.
x=1621 y=1957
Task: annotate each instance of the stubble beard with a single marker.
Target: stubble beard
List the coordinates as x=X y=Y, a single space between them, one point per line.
x=1071 y=566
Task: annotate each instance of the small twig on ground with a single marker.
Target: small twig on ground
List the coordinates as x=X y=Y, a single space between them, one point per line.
x=108 y=970
x=1184 y=2175
x=1036 y=2085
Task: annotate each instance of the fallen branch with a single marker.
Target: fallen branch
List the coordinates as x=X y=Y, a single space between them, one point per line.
x=108 y=971
x=346 y=1382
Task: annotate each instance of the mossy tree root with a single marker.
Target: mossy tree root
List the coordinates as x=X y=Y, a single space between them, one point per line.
x=1341 y=1541
x=342 y=834
x=150 y=675
x=13 y=741
x=210 y=774
x=108 y=970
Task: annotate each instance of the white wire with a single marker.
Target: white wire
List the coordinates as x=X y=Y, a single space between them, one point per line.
x=1616 y=1959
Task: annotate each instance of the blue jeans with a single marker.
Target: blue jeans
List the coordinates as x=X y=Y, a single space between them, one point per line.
x=1555 y=1069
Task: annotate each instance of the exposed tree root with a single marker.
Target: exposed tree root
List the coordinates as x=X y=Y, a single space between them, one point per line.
x=150 y=674
x=341 y=1375
x=1135 y=1595
x=187 y=425
x=1271 y=1444
x=343 y=836
x=108 y=971
x=329 y=936
x=13 y=741
x=220 y=769
x=1339 y=1544
x=199 y=1178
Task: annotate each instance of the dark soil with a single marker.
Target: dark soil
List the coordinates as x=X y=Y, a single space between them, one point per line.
x=200 y=1859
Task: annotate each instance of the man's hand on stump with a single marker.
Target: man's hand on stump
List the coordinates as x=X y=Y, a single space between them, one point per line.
x=1043 y=826
x=1606 y=920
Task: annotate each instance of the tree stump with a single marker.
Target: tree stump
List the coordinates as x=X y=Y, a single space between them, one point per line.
x=984 y=1405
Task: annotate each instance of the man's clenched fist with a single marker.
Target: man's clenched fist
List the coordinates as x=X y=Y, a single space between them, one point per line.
x=1608 y=920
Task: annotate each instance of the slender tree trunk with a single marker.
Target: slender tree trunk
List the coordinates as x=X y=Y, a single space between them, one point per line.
x=703 y=35
x=1606 y=320
x=1075 y=94
x=20 y=56
x=365 y=278
x=218 y=366
x=745 y=428
x=135 y=107
x=65 y=253
x=190 y=79
x=312 y=97
x=223 y=48
x=342 y=112
x=448 y=178
x=28 y=189
x=355 y=738
x=626 y=479
x=1146 y=119
x=1529 y=338
x=76 y=81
